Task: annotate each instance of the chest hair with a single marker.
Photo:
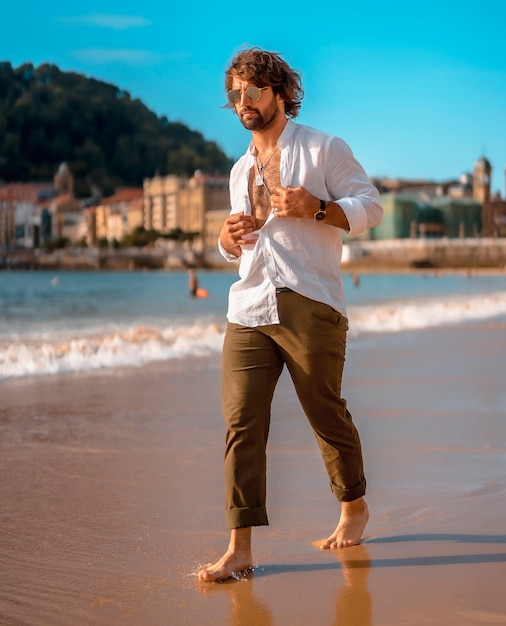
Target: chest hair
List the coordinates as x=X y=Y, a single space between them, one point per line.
x=260 y=195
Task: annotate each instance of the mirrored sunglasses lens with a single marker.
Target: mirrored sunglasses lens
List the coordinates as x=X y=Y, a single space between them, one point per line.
x=253 y=93
x=234 y=96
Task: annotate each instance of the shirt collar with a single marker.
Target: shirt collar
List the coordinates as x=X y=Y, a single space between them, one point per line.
x=284 y=138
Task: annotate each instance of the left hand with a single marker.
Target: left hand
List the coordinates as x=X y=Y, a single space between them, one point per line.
x=294 y=202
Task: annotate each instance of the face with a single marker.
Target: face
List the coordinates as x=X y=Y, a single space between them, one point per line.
x=261 y=114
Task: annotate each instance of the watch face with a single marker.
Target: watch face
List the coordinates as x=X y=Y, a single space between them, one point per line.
x=319 y=215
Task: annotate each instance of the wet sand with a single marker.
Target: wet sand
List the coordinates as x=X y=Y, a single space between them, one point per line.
x=112 y=494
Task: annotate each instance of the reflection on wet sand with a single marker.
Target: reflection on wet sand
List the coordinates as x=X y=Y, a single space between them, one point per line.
x=353 y=600
x=245 y=609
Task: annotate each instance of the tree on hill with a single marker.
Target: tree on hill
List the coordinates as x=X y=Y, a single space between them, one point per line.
x=107 y=138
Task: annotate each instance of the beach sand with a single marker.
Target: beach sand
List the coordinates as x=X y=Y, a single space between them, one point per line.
x=112 y=495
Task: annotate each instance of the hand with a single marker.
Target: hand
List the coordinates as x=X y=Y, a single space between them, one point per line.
x=233 y=231
x=294 y=202
x=298 y=202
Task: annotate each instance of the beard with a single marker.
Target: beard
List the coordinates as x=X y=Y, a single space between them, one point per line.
x=262 y=121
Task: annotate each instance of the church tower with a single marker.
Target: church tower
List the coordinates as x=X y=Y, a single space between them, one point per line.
x=482 y=180
x=63 y=180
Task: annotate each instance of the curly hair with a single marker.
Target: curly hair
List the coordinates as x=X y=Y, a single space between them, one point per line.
x=264 y=69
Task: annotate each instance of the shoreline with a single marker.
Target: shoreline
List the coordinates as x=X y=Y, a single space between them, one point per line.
x=345 y=270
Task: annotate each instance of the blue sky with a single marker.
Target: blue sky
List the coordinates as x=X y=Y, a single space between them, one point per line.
x=417 y=89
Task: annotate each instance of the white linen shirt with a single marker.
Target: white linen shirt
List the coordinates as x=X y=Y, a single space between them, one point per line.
x=299 y=253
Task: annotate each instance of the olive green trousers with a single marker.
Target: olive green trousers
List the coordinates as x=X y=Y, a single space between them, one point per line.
x=311 y=341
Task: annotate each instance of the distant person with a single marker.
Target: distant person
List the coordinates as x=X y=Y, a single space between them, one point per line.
x=193 y=283
x=292 y=195
x=193 y=286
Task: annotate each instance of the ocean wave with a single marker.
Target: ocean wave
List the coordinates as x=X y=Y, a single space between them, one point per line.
x=60 y=352
x=405 y=315
x=132 y=347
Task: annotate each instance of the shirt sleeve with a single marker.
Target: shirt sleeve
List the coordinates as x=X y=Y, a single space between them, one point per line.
x=236 y=174
x=226 y=255
x=351 y=188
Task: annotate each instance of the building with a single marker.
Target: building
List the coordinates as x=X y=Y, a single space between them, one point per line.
x=135 y=214
x=400 y=216
x=195 y=208
x=7 y=224
x=63 y=180
x=20 y=208
x=116 y=215
x=463 y=188
x=482 y=180
x=454 y=209
x=201 y=195
x=406 y=216
x=461 y=217
x=214 y=222
x=60 y=218
x=494 y=207
x=494 y=218
x=161 y=203
x=173 y=203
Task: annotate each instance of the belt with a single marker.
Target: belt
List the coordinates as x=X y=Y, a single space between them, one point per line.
x=283 y=290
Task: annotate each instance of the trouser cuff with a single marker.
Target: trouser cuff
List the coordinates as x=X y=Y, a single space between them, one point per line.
x=348 y=495
x=245 y=517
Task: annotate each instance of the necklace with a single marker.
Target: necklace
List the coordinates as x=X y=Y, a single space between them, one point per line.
x=261 y=167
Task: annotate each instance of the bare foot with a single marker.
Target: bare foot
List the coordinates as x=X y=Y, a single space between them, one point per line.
x=237 y=558
x=354 y=517
x=230 y=563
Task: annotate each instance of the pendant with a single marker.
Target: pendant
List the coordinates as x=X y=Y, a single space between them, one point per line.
x=259 y=180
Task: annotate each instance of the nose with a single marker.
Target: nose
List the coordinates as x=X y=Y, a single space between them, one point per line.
x=244 y=97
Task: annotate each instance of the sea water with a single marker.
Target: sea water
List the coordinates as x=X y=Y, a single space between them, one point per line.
x=61 y=322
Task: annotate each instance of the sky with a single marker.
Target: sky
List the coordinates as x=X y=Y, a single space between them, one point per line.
x=418 y=90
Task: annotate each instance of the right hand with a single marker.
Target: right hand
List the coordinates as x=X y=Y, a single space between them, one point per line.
x=234 y=229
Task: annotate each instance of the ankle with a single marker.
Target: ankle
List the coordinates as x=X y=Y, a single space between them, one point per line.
x=240 y=540
x=355 y=507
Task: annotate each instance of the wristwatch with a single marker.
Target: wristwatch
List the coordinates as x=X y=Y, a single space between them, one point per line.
x=322 y=211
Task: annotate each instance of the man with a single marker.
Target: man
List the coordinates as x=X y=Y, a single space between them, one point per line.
x=292 y=194
x=193 y=283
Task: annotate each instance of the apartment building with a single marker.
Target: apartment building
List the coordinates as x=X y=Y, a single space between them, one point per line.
x=117 y=215
x=161 y=203
x=20 y=214
x=176 y=203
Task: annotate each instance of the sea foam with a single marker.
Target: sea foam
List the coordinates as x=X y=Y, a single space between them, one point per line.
x=405 y=315
x=138 y=345
x=67 y=351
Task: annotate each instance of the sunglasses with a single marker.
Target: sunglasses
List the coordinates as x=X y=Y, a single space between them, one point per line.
x=253 y=93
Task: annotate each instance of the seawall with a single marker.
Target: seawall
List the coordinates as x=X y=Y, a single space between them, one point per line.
x=395 y=255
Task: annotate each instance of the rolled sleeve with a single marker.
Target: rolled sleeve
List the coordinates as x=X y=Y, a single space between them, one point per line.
x=226 y=255
x=355 y=214
x=361 y=213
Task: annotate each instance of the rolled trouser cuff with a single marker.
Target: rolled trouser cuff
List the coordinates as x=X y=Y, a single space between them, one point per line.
x=246 y=517
x=348 y=495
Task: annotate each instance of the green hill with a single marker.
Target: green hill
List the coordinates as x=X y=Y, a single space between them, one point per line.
x=107 y=138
